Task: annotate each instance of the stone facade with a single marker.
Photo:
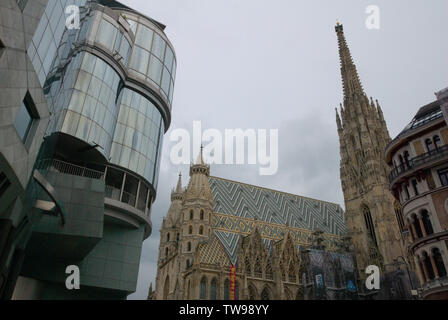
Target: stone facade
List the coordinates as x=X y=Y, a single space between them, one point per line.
x=207 y=231
x=363 y=136
x=18 y=81
x=418 y=158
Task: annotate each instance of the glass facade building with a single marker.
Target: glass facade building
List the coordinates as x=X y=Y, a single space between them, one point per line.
x=108 y=83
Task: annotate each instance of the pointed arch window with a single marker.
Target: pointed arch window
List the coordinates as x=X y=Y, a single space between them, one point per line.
x=191 y=214
x=202 y=215
x=166 y=288
x=168 y=237
x=292 y=273
x=213 y=290
x=203 y=289
x=201 y=230
x=257 y=269
x=265 y=295
x=190 y=229
x=247 y=263
x=189 y=246
x=369 y=224
x=227 y=289
x=252 y=294
x=269 y=273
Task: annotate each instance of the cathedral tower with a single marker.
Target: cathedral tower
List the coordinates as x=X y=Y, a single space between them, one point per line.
x=363 y=137
x=197 y=210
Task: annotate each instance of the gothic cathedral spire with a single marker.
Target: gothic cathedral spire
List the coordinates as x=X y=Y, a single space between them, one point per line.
x=363 y=137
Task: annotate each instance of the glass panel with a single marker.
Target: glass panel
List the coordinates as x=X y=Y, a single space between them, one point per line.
x=144 y=37
x=166 y=81
x=139 y=61
x=106 y=34
x=158 y=47
x=23 y=122
x=169 y=58
x=155 y=70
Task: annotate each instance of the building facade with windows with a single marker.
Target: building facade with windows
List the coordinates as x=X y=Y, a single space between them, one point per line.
x=106 y=88
x=418 y=158
x=224 y=239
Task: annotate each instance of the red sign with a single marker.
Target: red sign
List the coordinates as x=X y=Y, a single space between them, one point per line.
x=232 y=282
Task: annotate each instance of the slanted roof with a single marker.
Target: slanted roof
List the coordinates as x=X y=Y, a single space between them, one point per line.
x=239 y=207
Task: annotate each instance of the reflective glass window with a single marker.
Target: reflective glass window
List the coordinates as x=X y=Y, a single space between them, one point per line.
x=158 y=47
x=139 y=61
x=144 y=37
x=106 y=34
x=155 y=70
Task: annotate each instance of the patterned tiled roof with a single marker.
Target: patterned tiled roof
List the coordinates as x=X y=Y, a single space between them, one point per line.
x=239 y=207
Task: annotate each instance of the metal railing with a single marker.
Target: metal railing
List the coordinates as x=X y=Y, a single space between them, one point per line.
x=417 y=161
x=115 y=193
x=69 y=168
x=435 y=283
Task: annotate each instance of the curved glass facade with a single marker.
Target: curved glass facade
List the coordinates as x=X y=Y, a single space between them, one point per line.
x=138 y=135
x=90 y=100
x=153 y=59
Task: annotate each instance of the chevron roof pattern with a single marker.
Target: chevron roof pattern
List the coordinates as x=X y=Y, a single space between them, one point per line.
x=239 y=207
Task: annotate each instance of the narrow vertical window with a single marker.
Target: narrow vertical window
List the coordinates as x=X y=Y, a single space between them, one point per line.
x=25 y=118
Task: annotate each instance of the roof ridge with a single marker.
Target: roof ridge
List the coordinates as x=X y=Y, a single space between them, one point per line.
x=277 y=191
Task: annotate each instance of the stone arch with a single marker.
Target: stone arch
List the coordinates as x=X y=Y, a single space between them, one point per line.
x=227 y=289
x=370 y=226
x=252 y=292
x=268 y=273
x=427 y=263
x=166 y=288
x=287 y=294
x=203 y=288
x=266 y=294
x=214 y=289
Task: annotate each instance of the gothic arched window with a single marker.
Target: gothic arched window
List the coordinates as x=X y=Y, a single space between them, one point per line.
x=202 y=214
x=190 y=229
x=369 y=224
x=269 y=273
x=213 y=289
x=168 y=237
x=292 y=273
x=201 y=230
x=189 y=246
x=203 y=289
x=191 y=214
x=166 y=252
x=247 y=263
x=252 y=294
x=257 y=269
x=227 y=289
x=166 y=288
x=265 y=295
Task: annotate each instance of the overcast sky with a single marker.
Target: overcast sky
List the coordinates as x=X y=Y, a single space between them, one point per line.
x=274 y=65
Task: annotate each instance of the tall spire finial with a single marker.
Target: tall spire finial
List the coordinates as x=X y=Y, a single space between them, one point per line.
x=350 y=79
x=179 y=184
x=200 y=159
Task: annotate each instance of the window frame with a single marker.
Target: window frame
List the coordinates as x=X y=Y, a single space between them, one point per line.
x=31 y=110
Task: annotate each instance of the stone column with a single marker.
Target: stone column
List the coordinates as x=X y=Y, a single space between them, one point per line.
x=434 y=266
x=418 y=266
x=425 y=269
x=422 y=225
x=413 y=231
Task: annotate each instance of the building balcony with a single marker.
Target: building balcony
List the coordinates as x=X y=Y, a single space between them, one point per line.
x=435 y=289
x=427 y=159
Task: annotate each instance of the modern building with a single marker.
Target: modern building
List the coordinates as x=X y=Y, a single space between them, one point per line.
x=106 y=88
x=418 y=158
x=372 y=214
x=225 y=239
